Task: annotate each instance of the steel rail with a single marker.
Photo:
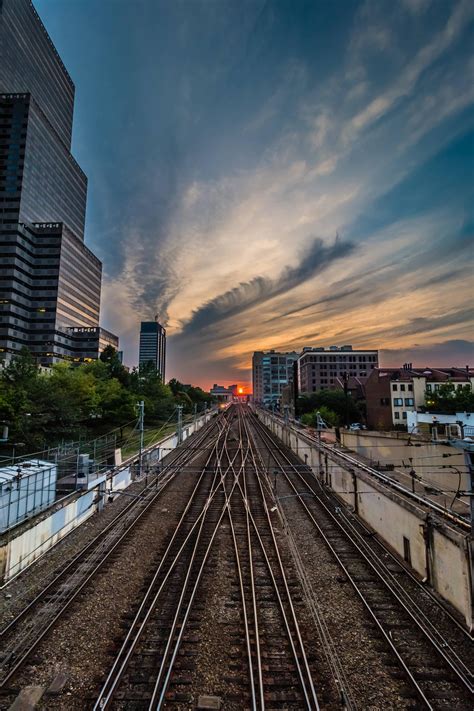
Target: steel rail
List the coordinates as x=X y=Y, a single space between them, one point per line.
x=252 y=576
x=133 y=636
x=18 y=661
x=427 y=592
x=158 y=697
x=253 y=594
x=151 y=487
x=384 y=574
x=125 y=654
x=312 y=694
x=439 y=645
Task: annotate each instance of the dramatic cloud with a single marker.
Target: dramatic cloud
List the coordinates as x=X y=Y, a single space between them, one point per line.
x=230 y=133
x=260 y=289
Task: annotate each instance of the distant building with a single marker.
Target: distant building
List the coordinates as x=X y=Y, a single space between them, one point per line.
x=271 y=373
x=153 y=346
x=50 y=281
x=327 y=368
x=89 y=343
x=222 y=393
x=392 y=393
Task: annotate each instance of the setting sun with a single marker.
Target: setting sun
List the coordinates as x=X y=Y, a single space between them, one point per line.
x=241 y=390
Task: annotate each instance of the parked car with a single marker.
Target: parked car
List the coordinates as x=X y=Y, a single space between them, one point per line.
x=356 y=426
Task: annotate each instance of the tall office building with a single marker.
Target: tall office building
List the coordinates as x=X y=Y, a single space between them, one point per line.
x=50 y=282
x=153 y=346
x=271 y=372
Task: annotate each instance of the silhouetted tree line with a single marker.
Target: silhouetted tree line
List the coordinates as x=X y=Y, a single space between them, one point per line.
x=68 y=401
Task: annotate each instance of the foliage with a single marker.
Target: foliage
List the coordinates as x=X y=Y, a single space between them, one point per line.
x=450 y=399
x=329 y=417
x=335 y=403
x=66 y=402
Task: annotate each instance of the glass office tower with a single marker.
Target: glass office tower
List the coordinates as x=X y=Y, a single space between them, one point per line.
x=50 y=282
x=153 y=346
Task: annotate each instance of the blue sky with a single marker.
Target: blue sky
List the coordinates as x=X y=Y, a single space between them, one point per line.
x=277 y=174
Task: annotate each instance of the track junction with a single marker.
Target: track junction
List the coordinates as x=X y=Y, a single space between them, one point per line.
x=232 y=605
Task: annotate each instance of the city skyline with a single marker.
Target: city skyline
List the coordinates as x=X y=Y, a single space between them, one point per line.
x=264 y=175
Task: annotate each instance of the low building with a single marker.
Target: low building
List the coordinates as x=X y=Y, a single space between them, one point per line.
x=271 y=373
x=392 y=393
x=326 y=368
x=458 y=425
x=222 y=393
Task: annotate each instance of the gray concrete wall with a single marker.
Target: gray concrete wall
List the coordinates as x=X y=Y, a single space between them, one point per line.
x=427 y=458
x=440 y=553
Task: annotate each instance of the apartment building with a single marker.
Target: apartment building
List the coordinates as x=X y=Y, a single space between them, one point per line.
x=271 y=373
x=391 y=393
x=323 y=368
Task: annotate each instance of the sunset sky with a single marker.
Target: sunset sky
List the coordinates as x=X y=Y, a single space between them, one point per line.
x=277 y=174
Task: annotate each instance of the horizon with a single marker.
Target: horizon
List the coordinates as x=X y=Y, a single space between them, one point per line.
x=290 y=175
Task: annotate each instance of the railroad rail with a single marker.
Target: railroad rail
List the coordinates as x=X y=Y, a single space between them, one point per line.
x=277 y=662
x=432 y=661
x=20 y=637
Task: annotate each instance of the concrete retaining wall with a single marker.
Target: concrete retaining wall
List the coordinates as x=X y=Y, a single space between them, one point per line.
x=438 y=551
x=446 y=470
x=25 y=544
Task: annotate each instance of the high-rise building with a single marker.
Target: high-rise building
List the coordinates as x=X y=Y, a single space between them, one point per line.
x=320 y=368
x=271 y=372
x=153 y=346
x=50 y=282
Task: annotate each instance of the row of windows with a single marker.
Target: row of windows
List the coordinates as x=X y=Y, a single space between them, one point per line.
x=398 y=402
x=402 y=387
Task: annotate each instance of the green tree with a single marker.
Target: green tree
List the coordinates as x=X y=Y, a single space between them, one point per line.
x=450 y=399
x=344 y=407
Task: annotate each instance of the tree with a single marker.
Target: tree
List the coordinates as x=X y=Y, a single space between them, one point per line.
x=449 y=399
x=344 y=407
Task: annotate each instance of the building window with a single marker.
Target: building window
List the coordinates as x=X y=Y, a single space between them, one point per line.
x=384 y=401
x=410 y=387
x=397 y=415
x=404 y=415
x=398 y=402
x=394 y=386
x=402 y=387
x=409 y=401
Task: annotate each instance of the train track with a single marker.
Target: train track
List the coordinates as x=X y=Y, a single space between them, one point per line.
x=278 y=673
x=21 y=636
x=408 y=618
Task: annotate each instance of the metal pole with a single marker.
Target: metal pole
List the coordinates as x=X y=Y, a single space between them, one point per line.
x=195 y=415
x=180 y=424
x=469 y=458
x=141 y=418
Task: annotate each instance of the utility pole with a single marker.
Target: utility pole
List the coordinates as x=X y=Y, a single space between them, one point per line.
x=318 y=426
x=195 y=415
x=141 y=419
x=180 y=423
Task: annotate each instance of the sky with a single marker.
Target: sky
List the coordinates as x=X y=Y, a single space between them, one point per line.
x=277 y=174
